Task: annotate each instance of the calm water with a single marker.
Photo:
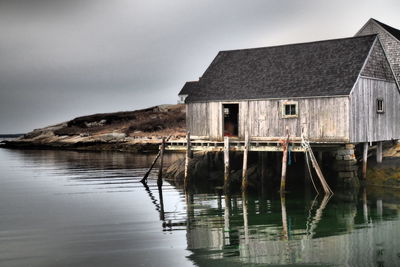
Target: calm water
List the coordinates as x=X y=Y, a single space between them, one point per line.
x=61 y=208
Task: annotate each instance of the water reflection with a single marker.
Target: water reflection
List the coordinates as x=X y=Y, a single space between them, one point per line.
x=81 y=209
x=325 y=231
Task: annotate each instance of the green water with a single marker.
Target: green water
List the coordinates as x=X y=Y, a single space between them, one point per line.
x=62 y=208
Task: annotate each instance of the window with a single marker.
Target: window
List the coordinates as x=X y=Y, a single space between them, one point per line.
x=289 y=110
x=379 y=105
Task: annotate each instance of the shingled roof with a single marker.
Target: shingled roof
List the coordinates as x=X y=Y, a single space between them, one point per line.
x=188 y=87
x=323 y=68
x=391 y=30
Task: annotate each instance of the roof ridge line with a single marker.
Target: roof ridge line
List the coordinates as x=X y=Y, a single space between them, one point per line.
x=294 y=44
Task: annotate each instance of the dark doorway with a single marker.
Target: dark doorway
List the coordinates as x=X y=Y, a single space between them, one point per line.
x=231 y=121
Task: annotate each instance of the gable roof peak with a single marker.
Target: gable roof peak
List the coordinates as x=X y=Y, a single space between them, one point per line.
x=393 y=31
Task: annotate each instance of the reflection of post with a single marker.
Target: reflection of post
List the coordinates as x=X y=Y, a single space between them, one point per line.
x=284 y=217
x=245 y=218
x=189 y=209
x=379 y=208
x=160 y=194
x=365 y=205
x=226 y=220
x=318 y=215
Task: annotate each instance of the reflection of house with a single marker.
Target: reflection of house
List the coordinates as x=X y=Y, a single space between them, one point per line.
x=186 y=89
x=341 y=91
x=340 y=236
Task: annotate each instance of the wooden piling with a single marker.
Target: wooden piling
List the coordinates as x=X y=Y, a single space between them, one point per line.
x=379 y=152
x=364 y=160
x=284 y=168
x=188 y=156
x=321 y=177
x=245 y=156
x=284 y=165
x=264 y=159
x=226 y=163
x=144 y=179
x=320 y=157
x=162 y=148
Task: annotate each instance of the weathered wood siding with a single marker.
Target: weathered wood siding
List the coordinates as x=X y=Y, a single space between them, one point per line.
x=366 y=124
x=390 y=44
x=323 y=119
x=205 y=119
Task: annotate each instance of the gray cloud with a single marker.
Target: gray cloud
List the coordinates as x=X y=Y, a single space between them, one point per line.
x=61 y=59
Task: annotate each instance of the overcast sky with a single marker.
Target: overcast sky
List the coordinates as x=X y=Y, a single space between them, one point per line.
x=61 y=59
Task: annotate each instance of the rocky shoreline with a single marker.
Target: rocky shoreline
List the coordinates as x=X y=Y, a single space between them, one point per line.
x=132 y=131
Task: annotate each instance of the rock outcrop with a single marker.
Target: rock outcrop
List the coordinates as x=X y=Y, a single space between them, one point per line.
x=134 y=131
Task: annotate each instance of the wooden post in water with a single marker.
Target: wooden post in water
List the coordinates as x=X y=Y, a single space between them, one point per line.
x=379 y=152
x=284 y=168
x=284 y=165
x=144 y=179
x=364 y=160
x=226 y=163
x=162 y=148
x=320 y=157
x=245 y=155
x=188 y=156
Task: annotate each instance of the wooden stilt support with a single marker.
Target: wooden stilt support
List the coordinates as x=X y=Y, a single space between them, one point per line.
x=245 y=155
x=379 y=152
x=307 y=177
x=188 y=156
x=320 y=156
x=321 y=177
x=284 y=165
x=365 y=205
x=308 y=152
x=226 y=163
x=364 y=160
x=245 y=217
x=263 y=158
x=162 y=148
x=144 y=179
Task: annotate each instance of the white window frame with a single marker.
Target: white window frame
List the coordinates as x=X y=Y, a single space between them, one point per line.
x=382 y=110
x=287 y=103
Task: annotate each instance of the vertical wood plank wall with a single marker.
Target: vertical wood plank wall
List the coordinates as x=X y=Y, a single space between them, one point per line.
x=323 y=118
x=366 y=124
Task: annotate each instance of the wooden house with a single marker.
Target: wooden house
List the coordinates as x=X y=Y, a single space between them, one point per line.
x=184 y=92
x=390 y=40
x=334 y=91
